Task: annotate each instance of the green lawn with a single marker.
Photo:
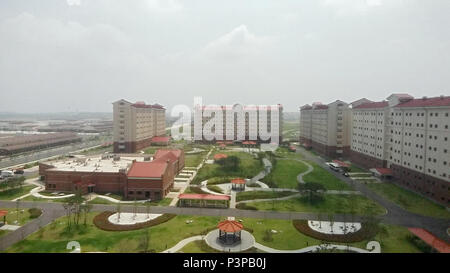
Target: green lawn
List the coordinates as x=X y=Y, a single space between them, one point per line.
x=322 y=176
x=331 y=204
x=252 y=195
x=289 y=238
x=54 y=237
x=38 y=199
x=248 y=167
x=193 y=160
x=22 y=216
x=14 y=193
x=409 y=200
x=284 y=174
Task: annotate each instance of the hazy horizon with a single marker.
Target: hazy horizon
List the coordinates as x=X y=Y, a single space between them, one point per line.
x=82 y=55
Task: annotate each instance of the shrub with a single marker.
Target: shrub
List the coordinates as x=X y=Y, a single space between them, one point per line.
x=214 y=188
x=366 y=232
x=245 y=206
x=101 y=221
x=424 y=247
x=34 y=212
x=268 y=236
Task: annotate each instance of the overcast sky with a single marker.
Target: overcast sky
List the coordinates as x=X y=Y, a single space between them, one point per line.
x=82 y=55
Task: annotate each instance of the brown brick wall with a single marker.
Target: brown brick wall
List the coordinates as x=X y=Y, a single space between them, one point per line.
x=366 y=161
x=428 y=186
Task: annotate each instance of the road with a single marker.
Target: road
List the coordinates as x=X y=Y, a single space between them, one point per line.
x=19 y=160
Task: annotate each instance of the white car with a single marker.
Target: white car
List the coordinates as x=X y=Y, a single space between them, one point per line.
x=6 y=174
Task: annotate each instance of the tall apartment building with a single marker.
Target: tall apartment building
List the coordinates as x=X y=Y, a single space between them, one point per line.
x=252 y=121
x=135 y=124
x=326 y=128
x=410 y=137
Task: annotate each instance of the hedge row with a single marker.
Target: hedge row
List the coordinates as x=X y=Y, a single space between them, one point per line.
x=220 y=180
x=34 y=212
x=366 y=232
x=245 y=206
x=101 y=221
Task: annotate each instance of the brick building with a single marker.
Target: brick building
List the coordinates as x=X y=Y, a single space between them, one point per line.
x=132 y=176
x=408 y=136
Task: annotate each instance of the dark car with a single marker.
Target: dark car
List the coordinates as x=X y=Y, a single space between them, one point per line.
x=19 y=172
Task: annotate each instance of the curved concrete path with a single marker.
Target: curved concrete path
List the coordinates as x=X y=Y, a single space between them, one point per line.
x=183 y=243
x=372 y=247
x=375 y=246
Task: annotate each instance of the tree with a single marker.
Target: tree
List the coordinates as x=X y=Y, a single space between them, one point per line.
x=86 y=208
x=313 y=190
x=145 y=241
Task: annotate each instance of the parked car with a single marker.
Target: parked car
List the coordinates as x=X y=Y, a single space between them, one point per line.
x=19 y=171
x=6 y=174
x=346 y=174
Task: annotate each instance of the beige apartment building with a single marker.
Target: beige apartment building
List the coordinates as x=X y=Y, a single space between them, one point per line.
x=408 y=137
x=326 y=128
x=252 y=121
x=135 y=124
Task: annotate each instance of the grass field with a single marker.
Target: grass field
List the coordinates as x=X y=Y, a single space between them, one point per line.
x=248 y=167
x=322 y=176
x=54 y=237
x=410 y=201
x=331 y=204
x=252 y=195
x=284 y=174
x=289 y=238
x=193 y=160
x=14 y=193
x=22 y=216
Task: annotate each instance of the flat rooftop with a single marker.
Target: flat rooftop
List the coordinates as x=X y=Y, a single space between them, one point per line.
x=95 y=164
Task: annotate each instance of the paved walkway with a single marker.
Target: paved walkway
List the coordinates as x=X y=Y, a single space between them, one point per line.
x=375 y=246
x=183 y=243
x=174 y=201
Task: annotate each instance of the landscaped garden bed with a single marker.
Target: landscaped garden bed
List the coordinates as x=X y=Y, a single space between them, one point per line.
x=366 y=232
x=101 y=221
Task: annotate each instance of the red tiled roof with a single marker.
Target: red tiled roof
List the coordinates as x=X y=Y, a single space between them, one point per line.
x=369 y=105
x=249 y=143
x=321 y=106
x=141 y=104
x=426 y=102
x=199 y=196
x=3 y=213
x=431 y=240
x=384 y=171
x=230 y=226
x=306 y=107
x=220 y=156
x=238 y=181
x=147 y=169
x=164 y=153
x=160 y=139
x=340 y=163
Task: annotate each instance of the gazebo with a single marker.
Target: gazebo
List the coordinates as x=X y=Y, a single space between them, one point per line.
x=230 y=232
x=220 y=156
x=3 y=214
x=238 y=184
